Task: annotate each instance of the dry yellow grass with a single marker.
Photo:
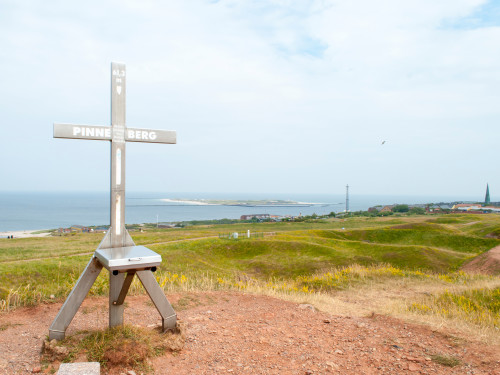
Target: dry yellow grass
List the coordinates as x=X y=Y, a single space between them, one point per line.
x=382 y=290
x=366 y=291
x=394 y=298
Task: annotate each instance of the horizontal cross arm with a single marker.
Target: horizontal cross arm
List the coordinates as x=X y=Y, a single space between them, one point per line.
x=105 y=133
x=100 y=133
x=150 y=135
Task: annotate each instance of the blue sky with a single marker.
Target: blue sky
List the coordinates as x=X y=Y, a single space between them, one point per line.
x=266 y=96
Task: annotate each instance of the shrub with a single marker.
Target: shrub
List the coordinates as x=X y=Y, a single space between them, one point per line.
x=401 y=208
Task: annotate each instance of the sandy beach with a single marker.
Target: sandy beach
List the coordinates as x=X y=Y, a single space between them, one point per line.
x=185 y=201
x=24 y=233
x=250 y=203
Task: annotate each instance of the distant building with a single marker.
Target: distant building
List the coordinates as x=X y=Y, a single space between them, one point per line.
x=433 y=209
x=79 y=229
x=487 y=197
x=257 y=216
x=446 y=206
x=475 y=208
x=437 y=208
x=386 y=209
x=491 y=208
x=75 y=229
x=466 y=206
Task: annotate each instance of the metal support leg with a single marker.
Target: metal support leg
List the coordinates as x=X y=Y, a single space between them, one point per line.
x=125 y=288
x=168 y=316
x=115 y=311
x=68 y=310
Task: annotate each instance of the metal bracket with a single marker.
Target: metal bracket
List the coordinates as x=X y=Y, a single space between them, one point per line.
x=119 y=287
x=125 y=287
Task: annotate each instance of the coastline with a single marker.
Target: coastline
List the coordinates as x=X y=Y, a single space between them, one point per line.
x=23 y=233
x=26 y=212
x=243 y=203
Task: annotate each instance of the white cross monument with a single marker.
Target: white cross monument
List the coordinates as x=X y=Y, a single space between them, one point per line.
x=117 y=252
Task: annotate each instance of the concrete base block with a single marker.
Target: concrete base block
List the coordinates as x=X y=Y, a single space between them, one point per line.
x=80 y=368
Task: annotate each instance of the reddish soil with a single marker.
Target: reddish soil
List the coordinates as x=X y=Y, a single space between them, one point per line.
x=487 y=263
x=230 y=333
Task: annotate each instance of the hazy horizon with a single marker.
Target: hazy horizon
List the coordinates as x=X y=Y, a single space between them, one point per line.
x=246 y=195
x=24 y=210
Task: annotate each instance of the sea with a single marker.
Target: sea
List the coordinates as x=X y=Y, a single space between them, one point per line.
x=51 y=210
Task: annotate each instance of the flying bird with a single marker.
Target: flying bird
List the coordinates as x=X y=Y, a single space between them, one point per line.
x=383 y=142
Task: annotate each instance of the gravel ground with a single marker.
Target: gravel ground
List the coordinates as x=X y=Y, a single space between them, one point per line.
x=237 y=333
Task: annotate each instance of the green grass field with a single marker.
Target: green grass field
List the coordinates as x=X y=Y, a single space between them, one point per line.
x=302 y=258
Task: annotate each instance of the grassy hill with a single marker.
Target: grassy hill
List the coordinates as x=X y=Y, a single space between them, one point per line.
x=299 y=260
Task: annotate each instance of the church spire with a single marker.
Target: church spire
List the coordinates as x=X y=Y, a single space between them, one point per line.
x=487 y=197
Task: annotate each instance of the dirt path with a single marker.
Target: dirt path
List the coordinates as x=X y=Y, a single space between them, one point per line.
x=487 y=263
x=233 y=333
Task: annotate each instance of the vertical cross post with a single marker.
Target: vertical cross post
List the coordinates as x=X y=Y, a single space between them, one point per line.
x=118 y=91
x=117 y=199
